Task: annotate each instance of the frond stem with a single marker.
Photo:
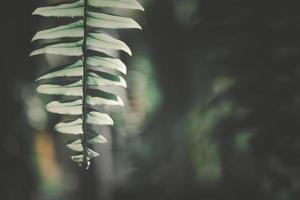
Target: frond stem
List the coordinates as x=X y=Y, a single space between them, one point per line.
x=84 y=89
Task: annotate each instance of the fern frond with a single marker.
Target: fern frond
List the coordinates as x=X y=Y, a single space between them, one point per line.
x=87 y=40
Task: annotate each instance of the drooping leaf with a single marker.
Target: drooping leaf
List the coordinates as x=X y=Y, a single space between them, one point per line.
x=75 y=69
x=68 y=108
x=100 y=20
x=72 y=30
x=73 y=127
x=103 y=78
x=75 y=9
x=93 y=101
x=98 y=140
x=77 y=158
x=98 y=118
x=64 y=49
x=128 y=4
x=90 y=154
x=111 y=63
x=102 y=42
x=73 y=89
x=76 y=145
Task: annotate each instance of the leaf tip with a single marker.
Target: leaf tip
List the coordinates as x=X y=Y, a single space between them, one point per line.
x=139 y=6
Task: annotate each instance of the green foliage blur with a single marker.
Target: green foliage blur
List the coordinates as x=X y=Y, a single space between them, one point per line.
x=212 y=108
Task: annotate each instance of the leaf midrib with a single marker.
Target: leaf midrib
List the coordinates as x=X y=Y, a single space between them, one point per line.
x=84 y=87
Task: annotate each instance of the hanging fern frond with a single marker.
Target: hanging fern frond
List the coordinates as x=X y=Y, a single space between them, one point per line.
x=87 y=40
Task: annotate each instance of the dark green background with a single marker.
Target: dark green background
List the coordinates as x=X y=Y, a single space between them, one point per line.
x=220 y=109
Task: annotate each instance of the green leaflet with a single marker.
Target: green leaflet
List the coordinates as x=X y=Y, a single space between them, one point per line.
x=76 y=145
x=74 y=89
x=99 y=139
x=78 y=158
x=100 y=20
x=102 y=93
x=111 y=63
x=93 y=74
x=90 y=154
x=75 y=9
x=75 y=69
x=68 y=108
x=73 y=127
x=102 y=79
x=64 y=49
x=94 y=101
x=99 y=118
x=127 y=4
x=71 y=30
x=103 y=43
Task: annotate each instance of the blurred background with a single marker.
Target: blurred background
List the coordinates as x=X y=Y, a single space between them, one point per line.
x=213 y=108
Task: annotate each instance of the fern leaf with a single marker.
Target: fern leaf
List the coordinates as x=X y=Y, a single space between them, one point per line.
x=73 y=89
x=100 y=20
x=71 y=70
x=75 y=145
x=127 y=4
x=74 y=29
x=67 y=108
x=72 y=128
x=94 y=101
x=75 y=9
x=98 y=118
x=104 y=43
x=96 y=68
x=105 y=79
x=65 y=49
x=97 y=63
